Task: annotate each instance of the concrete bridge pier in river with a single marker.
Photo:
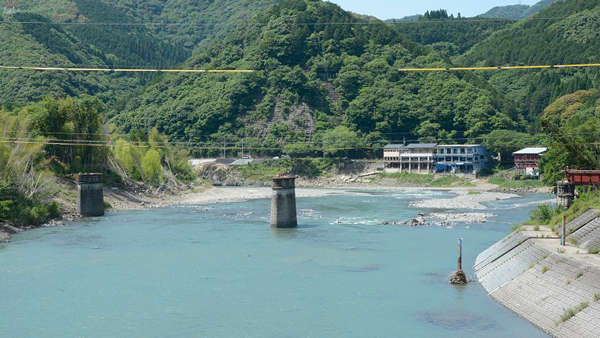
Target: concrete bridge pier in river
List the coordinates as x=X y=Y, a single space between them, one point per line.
x=283 y=202
x=90 y=196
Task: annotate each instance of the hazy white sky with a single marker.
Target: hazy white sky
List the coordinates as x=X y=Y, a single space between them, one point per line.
x=395 y=9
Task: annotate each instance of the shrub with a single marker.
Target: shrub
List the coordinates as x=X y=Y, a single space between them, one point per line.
x=543 y=214
x=570 y=312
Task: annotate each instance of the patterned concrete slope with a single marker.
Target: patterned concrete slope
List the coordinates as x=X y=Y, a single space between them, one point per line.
x=588 y=236
x=510 y=265
x=581 y=220
x=498 y=249
x=559 y=295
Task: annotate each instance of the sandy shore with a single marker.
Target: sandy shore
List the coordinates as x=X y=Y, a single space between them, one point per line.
x=464 y=200
x=121 y=201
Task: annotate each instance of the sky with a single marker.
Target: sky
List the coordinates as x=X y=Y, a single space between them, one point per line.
x=396 y=9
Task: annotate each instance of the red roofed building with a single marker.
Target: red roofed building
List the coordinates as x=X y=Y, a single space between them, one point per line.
x=528 y=157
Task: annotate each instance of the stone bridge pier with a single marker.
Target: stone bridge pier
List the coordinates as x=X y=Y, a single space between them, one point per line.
x=90 y=196
x=283 y=202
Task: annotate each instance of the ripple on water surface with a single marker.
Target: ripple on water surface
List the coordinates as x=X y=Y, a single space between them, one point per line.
x=220 y=271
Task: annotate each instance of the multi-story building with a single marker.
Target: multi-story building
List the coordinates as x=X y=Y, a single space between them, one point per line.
x=462 y=158
x=528 y=159
x=412 y=158
x=425 y=158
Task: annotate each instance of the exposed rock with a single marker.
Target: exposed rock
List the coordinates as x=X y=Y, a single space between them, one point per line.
x=459 y=278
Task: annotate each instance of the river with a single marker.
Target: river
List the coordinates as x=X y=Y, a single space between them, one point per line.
x=218 y=270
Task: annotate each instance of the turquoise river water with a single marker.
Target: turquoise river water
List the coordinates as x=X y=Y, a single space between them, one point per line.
x=218 y=270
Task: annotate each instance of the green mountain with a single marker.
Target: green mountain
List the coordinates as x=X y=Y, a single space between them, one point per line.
x=102 y=25
x=565 y=33
x=183 y=23
x=23 y=44
x=516 y=12
x=454 y=35
x=318 y=67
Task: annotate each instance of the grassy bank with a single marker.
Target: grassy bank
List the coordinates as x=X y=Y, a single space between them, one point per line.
x=547 y=214
x=427 y=180
x=516 y=184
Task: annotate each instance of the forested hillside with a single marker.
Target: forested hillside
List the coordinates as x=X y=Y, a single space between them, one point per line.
x=446 y=33
x=183 y=23
x=318 y=67
x=24 y=44
x=516 y=12
x=574 y=122
x=564 y=33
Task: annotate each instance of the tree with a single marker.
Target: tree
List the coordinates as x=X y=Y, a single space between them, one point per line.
x=151 y=166
x=339 y=141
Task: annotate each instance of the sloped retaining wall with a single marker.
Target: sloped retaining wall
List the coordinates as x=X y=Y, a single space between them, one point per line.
x=559 y=293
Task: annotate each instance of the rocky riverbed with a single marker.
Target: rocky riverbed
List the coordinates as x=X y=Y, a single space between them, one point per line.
x=464 y=200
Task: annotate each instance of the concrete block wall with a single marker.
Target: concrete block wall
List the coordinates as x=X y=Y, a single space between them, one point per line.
x=588 y=236
x=581 y=220
x=542 y=286
x=510 y=265
x=543 y=293
x=499 y=248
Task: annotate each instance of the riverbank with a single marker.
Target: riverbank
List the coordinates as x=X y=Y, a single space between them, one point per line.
x=466 y=198
x=469 y=197
x=554 y=287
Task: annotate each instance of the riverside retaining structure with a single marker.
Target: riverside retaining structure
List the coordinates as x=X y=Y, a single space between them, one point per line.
x=555 y=288
x=90 y=195
x=283 y=202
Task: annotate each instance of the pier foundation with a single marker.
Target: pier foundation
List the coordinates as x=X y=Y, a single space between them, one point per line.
x=90 y=196
x=565 y=193
x=283 y=202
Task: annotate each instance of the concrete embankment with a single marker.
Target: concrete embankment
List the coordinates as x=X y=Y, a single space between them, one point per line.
x=557 y=288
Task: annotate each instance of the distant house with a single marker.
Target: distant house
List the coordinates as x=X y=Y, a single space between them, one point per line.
x=528 y=158
x=413 y=158
x=462 y=158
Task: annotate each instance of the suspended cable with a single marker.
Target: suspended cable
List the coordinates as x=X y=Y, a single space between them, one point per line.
x=435 y=69
x=158 y=70
x=131 y=69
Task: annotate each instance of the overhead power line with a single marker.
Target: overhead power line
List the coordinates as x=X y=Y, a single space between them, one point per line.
x=131 y=69
x=208 y=146
x=434 y=69
x=158 y=70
